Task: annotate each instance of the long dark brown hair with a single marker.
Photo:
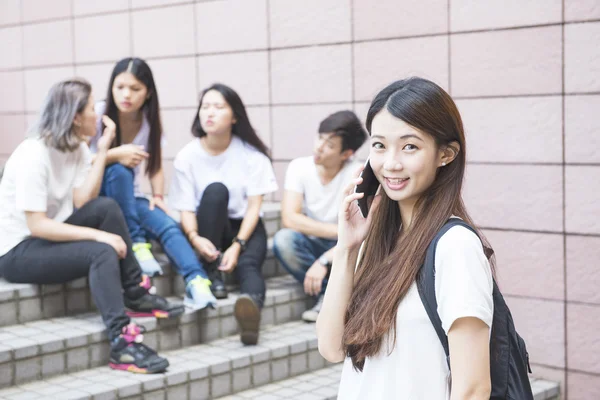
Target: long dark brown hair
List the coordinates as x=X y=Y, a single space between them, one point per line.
x=242 y=128
x=151 y=108
x=390 y=260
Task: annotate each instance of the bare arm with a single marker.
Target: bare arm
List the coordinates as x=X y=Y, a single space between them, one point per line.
x=231 y=255
x=189 y=224
x=91 y=187
x=130 y=155
x=329 y=254
x=157 y=182
x=468 y=339
x=190 y=227
x=292 y=218
x=330 y=323
x=251 y=217
x=352 y=231
x=113 y=156
x=43 y=227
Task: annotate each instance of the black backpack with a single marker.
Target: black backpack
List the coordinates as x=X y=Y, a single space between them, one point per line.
x=509 y=360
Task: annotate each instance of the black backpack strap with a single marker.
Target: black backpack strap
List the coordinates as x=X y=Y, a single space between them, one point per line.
x=426 y=283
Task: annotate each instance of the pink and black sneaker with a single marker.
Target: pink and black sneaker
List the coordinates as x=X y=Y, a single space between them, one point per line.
x=128 y=353
x=148 y=304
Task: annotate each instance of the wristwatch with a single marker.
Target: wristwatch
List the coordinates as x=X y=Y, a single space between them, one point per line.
x=242 y=242
x=324 y=261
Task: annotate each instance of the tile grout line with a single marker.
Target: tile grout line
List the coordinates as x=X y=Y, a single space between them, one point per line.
x=459 y=32
x=564 y=207
x=24 y=84
x=352 y=57
x=449 y=20
x=196 y=61
x=130 y=15
x=270 y=75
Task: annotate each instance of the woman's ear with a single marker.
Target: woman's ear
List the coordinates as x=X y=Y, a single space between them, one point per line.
x=448 y=153
x=77 y=120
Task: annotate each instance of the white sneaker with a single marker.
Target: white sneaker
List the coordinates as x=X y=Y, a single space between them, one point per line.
x=198 y=294
x=312 y=314
x=147 y=262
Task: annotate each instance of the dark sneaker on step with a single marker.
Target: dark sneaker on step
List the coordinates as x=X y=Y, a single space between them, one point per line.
x=151 y=305
x=217 y=287
x=247 y=314
x=127 y=353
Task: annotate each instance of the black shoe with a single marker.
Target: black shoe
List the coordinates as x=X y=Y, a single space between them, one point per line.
x=151 y=305
x=127 y=353
x=247 y=314
x=217 y=286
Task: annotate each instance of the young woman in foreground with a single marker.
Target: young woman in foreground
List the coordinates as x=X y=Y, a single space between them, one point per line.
x=372 y=314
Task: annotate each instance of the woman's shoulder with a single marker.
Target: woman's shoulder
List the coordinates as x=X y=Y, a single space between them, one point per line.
x=189 y=151
x=461 y=251
x=34 y=147
x=459 y=238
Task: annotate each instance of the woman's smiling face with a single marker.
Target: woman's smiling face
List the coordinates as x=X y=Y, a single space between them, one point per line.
x=404 y=159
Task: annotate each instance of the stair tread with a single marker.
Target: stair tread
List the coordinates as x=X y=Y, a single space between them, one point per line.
x=82 y=329
x=192 y=363
x=323 y=384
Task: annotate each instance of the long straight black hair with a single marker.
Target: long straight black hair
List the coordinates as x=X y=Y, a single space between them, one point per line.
x=242 y=128
x=140 y=69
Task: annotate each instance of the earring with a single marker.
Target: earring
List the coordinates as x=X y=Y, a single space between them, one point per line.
x=443 y=164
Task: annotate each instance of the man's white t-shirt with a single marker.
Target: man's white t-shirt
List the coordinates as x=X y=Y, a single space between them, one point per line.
x=41 y=179
x=416 y=368
x=243 y=169
x=321 y=202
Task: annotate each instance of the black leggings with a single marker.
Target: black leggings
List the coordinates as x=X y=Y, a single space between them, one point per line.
x=215 y=225
x=40 y=261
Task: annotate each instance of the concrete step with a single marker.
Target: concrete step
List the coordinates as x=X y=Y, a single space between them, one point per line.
x=23 y=303
x=323 y=384
x=46 y=348
x=207 y=371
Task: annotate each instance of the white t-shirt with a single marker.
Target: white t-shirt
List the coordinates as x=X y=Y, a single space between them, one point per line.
x=244 y=170
x=38 y=178
x=321 y=202
x=416 y=368
x=141 y=139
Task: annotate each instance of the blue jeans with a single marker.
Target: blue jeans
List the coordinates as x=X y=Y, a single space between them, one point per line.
x=297 y=252
x=145 y=224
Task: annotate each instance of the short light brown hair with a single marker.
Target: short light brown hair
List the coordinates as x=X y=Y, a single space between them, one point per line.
x=62 y=103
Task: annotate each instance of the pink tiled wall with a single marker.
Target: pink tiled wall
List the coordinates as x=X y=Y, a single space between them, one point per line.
x=525 y=75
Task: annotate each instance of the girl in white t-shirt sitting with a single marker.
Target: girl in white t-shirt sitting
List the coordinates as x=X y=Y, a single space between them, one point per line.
x=42 y=241
x=132 y=102
x=372 y=314
x=219 y=183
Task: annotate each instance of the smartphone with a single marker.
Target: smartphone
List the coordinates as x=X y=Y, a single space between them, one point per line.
x=368 y=186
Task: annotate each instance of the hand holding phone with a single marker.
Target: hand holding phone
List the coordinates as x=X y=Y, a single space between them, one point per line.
x=368 y=186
